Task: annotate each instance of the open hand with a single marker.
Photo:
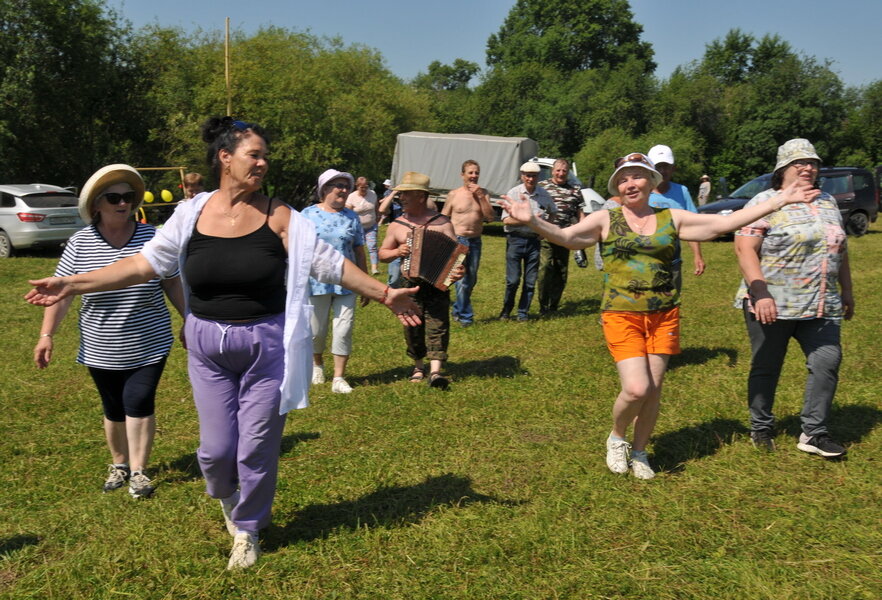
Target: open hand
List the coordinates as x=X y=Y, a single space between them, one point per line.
x=519 y=210
x=401 y=303
x=47 y=291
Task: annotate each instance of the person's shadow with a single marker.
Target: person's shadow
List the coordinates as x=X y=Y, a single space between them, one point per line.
x=699 y=355
x=674 y=448
x=848 y=424
x=186 y=467
x=17 y=542
x=388 y=506
x=494 y=366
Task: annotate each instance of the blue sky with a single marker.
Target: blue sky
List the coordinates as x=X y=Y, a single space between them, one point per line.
x=411 y=34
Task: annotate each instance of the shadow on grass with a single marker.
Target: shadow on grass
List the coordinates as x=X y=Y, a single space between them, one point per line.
x=388 y=506
x=17 y=542
x=575 y=308
x=495 y=366
x=848 y=424
x=676 y=447
x=699 y=355
x=186 y=467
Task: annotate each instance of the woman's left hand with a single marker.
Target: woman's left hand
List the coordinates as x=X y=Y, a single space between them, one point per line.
x=847 y=305
x=400 y=302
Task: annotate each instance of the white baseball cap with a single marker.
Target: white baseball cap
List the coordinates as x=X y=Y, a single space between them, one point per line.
x=661 y=154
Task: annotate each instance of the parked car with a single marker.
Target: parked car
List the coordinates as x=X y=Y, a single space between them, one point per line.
x=855 y=190
x=36 y=215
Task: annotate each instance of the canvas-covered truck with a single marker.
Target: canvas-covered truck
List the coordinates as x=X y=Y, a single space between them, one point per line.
x=440 y=156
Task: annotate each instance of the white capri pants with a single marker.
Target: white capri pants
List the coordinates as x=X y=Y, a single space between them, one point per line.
x=343 y=308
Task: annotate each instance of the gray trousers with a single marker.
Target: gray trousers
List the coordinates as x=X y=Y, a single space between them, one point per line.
x=819 y=340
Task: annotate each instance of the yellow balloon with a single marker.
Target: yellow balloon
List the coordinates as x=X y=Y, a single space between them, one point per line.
x=148 y=197
x=166 y=196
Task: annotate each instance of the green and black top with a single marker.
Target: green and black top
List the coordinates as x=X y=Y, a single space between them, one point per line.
x=637 y=268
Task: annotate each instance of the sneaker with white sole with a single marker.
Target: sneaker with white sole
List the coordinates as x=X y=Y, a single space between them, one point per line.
x=140 y=485
x=245 y=551
x=117 y=475
x=617 y=455
x=640 y=465
x=339 y=386
x=318 y=375
x=821 y=444
x=227 y=506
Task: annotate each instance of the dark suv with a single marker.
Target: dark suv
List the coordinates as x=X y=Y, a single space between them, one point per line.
x=855 y=190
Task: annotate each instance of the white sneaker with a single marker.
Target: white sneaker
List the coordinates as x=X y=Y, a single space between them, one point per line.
x=318 y=375
x=340 y=386
x=640 y=465
x=227 y=506
x=617 y=455
x=245 y=551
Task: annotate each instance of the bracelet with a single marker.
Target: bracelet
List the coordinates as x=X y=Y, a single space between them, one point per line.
x=385 y=294
x=46 y=335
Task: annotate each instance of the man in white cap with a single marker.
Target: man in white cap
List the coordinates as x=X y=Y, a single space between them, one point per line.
x=522 y=244
x=673 y=195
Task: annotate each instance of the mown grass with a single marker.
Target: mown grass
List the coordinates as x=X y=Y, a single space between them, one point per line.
x=495 y=489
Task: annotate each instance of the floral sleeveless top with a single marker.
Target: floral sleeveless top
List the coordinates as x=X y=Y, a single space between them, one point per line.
x=637 y=268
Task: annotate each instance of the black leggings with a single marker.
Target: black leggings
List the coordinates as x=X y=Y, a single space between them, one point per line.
x=130 y=392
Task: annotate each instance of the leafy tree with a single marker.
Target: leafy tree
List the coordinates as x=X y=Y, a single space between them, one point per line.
x=569 y=35
x=443 y=77
x=69 y=90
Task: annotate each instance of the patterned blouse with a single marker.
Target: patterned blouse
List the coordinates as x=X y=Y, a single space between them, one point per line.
x=637 y=268
x=800 y=256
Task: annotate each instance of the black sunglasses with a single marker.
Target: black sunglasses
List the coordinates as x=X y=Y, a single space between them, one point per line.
x=115 y=198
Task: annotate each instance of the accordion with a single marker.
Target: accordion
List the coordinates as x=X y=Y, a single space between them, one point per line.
x=433 y=256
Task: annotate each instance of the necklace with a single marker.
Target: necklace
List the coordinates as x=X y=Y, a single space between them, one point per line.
x=228 y=213
x=639 y=225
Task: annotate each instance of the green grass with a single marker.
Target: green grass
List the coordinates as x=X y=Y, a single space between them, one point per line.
x=495 y=489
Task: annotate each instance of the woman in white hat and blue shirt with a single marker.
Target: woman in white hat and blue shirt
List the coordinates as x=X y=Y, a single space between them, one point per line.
x=125 y=335
x=640 y=306
x=340 y=227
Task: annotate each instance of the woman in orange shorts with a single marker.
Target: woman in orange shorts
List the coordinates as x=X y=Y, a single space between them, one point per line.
x=641 y=315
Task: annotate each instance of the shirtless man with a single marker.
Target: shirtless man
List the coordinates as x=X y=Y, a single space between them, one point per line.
x=468 y=208
x=431 y=337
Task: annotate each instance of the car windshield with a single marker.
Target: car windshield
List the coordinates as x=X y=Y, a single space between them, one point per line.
x=753 y=187
x=50 y=200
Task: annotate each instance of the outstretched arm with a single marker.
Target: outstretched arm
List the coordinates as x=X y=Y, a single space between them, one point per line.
x=123 y=273
x=586 y=232
x=396 y=300
x=697 y=227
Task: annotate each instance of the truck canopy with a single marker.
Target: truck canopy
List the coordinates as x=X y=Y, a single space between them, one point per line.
x=440 y=156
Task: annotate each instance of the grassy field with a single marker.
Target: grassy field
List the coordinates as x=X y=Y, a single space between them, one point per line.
x=495 y=489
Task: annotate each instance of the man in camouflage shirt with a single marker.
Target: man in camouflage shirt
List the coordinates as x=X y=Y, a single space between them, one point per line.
x=554 y=259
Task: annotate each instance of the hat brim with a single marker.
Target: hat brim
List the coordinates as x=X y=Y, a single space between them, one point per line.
x=102 y=179
x=406 y=187
x=654 y=175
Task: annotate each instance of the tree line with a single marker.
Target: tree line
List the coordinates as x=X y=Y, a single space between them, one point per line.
x=80 y=88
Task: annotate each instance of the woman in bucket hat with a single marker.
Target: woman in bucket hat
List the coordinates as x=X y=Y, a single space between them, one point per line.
x=245 y=262
x=125 y=335
x=797 y=284
x=640 y=305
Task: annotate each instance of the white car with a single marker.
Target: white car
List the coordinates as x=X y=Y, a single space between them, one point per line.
x=36 y=215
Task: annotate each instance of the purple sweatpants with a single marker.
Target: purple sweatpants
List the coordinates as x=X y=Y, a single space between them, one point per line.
x=235 y=370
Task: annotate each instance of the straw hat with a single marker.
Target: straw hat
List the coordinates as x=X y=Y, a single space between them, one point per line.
x=413 y=181
x=102 y=179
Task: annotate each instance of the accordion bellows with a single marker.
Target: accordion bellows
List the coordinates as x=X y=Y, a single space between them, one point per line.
x=433 y=257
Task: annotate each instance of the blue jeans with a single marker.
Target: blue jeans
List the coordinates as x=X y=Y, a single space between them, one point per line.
x=394 y=280
x=819 y=340
x=462 y=308
x=520 y=254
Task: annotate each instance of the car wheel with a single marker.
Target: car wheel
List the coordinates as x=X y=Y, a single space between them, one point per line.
x=5 y=245
x=857 y=224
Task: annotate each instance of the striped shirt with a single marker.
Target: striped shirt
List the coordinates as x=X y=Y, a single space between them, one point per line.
x=119 y=329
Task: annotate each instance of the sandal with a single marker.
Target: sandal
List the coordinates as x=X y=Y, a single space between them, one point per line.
x=437 y=380
x=417 y=375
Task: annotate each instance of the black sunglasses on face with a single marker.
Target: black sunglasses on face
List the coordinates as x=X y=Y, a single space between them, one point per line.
x=115 y=198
